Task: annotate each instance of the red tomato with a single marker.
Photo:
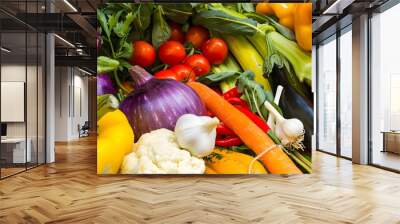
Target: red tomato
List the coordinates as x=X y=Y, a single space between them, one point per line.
x=197 y=35
x=184 y=72
x=176 y=32
x=171 y=52
x=166 y=74
x=199 y=64
x=215 y=50
x=143 y=54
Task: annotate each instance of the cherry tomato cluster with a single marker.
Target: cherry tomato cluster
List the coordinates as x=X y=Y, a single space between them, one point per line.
x=182 y=67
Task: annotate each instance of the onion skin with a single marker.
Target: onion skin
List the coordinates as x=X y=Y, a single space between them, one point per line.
x=158 y=103
x=105 y=85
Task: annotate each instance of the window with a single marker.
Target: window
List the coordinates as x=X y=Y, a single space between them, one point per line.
x=327 y=96
x=346 y=92
x=385 y=89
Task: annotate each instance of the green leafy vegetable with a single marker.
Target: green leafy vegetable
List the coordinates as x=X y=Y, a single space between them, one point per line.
x=253 y=93
x=230 y=65
x=227 y=21
x=121 y=29
x=126 y=51
x=178 y=13
x=161 y=31
x=106 y=64
x=143 y=16
x=101 y=17
x=215 y=78
x=245 y=7
x=286 y=32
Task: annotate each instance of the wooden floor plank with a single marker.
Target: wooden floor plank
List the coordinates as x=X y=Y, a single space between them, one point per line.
x=69 y=191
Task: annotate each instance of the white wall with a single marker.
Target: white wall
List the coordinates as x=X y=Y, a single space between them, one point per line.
x=13 y=73
x=71 y=102
x=33 y=127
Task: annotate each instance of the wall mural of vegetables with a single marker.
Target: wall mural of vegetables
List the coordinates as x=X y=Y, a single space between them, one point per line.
x=204 y=88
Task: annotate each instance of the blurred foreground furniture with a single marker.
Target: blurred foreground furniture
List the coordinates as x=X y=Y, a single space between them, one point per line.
x=391 y=141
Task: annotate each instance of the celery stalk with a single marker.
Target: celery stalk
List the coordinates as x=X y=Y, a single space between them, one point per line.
x=229 y=65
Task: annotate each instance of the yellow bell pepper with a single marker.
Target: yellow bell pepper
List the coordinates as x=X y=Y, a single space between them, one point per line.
x=303 y=25
x=232 y=163
x=114 y=141
x=285 y=13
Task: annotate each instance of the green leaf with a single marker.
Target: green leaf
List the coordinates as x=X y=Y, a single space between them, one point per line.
x=106 y=64
x=215 y=78
x=113 y=19
x=254 y=93
x=161 y=31
x=185 y=27
x=143 y=16
x=122 y=28
x=126 y=51
x=101 y=17
x=225 y=21
x=178 y=13
x=286 y=32
x=247 y=7
x=125 y=64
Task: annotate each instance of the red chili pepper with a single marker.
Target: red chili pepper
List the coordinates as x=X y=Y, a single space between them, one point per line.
x=256 y=119
x=237 y=101
x=231 y=93
x=223 y=130
x=227 y=142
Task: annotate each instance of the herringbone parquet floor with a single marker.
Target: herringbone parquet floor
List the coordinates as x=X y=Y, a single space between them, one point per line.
x=69 y=191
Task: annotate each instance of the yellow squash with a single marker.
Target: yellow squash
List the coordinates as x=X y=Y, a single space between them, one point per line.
x=232 y=163
x=114 y=141
x=210 y=170
x=303 y=25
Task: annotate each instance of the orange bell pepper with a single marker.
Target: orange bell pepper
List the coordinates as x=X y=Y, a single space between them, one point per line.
x=264 y=9
x=303 y=25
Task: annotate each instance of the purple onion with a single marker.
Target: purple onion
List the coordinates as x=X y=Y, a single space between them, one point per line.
x=158 y=103
x=105 y=85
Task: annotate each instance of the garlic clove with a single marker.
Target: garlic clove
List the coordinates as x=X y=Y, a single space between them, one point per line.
x=196 y=134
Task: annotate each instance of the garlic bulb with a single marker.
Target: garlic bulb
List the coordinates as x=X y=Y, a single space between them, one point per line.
x=289 y=131
x=196 y=134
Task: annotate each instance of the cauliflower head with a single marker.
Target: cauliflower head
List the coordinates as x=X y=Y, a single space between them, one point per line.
x=158 y=152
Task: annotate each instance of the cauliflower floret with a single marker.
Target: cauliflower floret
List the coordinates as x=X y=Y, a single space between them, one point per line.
x=158 y=152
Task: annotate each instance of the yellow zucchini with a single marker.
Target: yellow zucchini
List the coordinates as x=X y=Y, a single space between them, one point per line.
x=248 y=58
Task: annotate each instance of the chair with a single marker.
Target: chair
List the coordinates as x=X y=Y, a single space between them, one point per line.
x=84 y=130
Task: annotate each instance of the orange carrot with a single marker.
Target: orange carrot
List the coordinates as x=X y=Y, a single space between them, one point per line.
x=256 y=139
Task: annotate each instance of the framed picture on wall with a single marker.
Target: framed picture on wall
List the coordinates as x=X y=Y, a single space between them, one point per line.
x=204 y=88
